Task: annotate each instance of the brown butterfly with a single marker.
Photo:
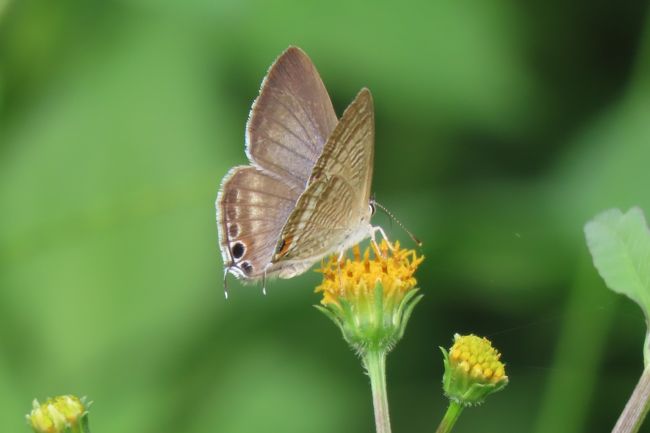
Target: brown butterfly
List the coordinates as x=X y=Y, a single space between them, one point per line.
x=306 y=192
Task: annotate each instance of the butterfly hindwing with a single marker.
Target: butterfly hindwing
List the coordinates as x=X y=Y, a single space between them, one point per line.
x=253 y=207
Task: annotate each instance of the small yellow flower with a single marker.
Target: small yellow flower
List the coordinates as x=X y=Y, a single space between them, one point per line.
x=57 y=414
x=473 y=370
x=370 y=298
x=476 y=356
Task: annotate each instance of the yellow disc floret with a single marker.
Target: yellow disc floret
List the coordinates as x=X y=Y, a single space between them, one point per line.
x=357 y=277
x=477 y=357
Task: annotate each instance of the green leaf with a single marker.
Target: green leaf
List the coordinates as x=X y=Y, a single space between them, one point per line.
x=620 y=246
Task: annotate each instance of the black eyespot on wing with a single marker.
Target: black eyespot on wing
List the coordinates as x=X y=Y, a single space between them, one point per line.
x=238 y=250
x=247 y=268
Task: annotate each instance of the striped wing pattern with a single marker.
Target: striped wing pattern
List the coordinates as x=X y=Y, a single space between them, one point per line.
x=253 y=208
x=335 y=204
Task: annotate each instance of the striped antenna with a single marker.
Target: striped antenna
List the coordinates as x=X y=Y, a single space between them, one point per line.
x=387 y=212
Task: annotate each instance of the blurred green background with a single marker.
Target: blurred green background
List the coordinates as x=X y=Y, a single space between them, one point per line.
x=502 y=126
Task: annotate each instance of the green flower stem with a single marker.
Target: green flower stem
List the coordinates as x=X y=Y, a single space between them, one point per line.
x=451 y=416
x=375 y=363
x=637 y=406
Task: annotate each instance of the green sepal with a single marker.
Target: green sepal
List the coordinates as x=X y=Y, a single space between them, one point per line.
x=83 y=422
x=81 y=426
x=372 y=324
x=71 y=429
x=406 y=309
x=326 y=311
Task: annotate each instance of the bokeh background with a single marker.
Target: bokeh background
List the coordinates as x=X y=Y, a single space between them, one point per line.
x=502 y=127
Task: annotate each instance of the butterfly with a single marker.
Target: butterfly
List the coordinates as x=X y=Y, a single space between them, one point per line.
x=306 y=192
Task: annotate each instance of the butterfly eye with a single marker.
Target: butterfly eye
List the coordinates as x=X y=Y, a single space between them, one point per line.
x=238 y=250
x=371 y=205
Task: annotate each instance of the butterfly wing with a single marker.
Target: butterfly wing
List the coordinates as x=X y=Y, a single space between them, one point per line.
x=319 y=224
x=290 y=120
x=252 y=207
x=285 y=134
x=349 y=151
x=333 y=213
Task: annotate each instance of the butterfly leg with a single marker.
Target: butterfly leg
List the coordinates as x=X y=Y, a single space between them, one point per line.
x=225 y=281
x=264 y=283
x=373 y=236
x=339 y=262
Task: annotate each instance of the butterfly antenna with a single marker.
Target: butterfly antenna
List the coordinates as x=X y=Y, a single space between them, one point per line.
x=392 y=217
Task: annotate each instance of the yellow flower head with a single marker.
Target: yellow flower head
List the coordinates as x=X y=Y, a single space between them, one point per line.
x=356 y=278
x=57 y=414
x=473 y=370
x=370 y=298
x=476 y=357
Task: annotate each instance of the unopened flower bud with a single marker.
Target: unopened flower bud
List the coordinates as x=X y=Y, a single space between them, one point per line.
x=473 y=370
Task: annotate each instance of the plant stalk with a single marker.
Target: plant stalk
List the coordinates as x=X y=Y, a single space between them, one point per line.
x=375 y=364
x=637 y=406
x=451 y=416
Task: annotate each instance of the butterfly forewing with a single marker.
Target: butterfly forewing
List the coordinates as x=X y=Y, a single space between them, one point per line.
x=320 y=223
x=290 y=120
x=349 y=151
x=333 y=211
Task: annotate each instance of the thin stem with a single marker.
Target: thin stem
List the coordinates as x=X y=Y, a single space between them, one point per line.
x=451 y=416
x=375 y=363
x=637 y=406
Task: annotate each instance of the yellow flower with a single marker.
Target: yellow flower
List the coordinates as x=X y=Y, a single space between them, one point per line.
x=473 y=370
x=356 y=278
x=476 y=357
x=370 y=298
x=57 y=414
